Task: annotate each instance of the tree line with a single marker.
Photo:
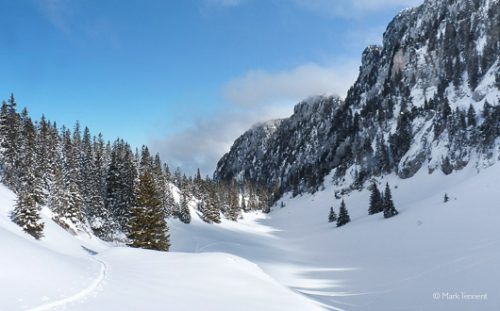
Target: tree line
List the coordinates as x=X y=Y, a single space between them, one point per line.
x=107 y=188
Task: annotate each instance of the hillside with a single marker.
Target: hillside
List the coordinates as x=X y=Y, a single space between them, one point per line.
x=428 y=97
x=87 y=224
x=62 y=271
x=369 y=264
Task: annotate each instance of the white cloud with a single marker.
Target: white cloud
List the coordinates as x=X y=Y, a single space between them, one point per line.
x=352 y=8
x=262 y=88
x=205 y=142
x=255 y=96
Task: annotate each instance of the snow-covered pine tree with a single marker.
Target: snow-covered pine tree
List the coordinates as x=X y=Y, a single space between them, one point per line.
x=197 y=185
x=446 y=198
x=160 y=181
x=71 y=173
x=382 y=156
x=472 y=67
x=73 y=210
x=101 y=163
x=98 y=217
x=401 y=140
x=169 y=205
x=471 y=116
x=29 y=190
x=233 y=202
x=343 y=217
x=252 y=198
x=389 y=209
x=183 y=213
x=332 y=217
x=26 y=214
x=376 y=202
x=147 y=226
x=263 y=200
x=88 y=176
x=28 y=173
x=146 y=162
x=120 y=183
x=10 y=129
x=211 y=212
x=45 y=155
x=178 y=178
x=58 y=196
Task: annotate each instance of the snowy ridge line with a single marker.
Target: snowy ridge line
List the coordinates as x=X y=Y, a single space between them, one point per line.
x=92 y=287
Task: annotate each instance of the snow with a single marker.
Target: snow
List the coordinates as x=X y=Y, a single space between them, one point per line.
x=62 y=271
x=374 y=263
x=27 y=277
x=290 y=259
x=180 y=281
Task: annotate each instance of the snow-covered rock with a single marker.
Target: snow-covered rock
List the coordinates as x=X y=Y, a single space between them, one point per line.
x=407 y=109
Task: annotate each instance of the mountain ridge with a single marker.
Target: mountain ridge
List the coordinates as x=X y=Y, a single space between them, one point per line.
x=427 y=96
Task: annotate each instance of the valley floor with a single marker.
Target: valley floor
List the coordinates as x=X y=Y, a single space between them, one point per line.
x=432 y=256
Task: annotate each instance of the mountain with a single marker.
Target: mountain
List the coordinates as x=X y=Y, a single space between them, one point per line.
x=249 y=149
x=294 y=146
x=427 y=97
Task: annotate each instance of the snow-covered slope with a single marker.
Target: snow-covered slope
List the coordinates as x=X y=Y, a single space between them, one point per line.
x=68 y=272
x=36 y=272
x=290 y=259
x=422 y=259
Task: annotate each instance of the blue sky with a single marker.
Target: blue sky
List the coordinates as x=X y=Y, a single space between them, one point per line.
x=185 y=77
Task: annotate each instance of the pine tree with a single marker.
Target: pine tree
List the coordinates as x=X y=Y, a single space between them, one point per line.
x=252 y=198
x=160 y=181
x=147 y=226
x=27 y=216
x=99 y=217
x=446 y=198
x=389 y=209
x=263 y=200
x=211 y=212
x=120 y=182
x=10 y=129
x=471 y=116
x=73 y=209
x=45 y=154
x=382 y=156
x=169 y=205
x=178 y=178
x=28 y=173
x=88 y=175
x=183 y=213
x=400 y=141
x=58 y=198
x=332 y=217
x=233 y=208
x=473 y=67
x=29 y=187
x=197 y=185
x=376 y=202
x=71 y=173
x=344 y=217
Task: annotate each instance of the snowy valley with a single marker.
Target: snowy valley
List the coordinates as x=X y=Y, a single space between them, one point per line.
x=290 y=259
x=89 y=224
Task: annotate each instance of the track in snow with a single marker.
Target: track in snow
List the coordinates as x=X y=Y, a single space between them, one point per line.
x=92 y=287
